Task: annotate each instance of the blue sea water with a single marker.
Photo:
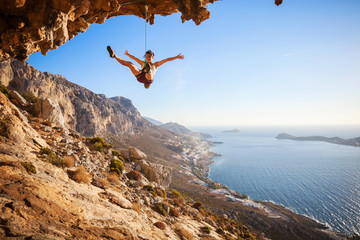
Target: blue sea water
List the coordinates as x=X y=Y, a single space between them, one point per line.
x=317 y=179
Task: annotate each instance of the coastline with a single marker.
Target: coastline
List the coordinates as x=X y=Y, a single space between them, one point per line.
x=205 y=157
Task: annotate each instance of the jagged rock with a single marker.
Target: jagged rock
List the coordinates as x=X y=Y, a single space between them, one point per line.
x=49 y=111
x=136 y=154
x=117 y=198
x=18 y=98
x=124 y=153
x=155 y=172
x=29 y=26
x=14 y=126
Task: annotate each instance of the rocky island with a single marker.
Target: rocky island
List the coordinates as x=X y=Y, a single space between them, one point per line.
x=336 y=140
x=231 y=131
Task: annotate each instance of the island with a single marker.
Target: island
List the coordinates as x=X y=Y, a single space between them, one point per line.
x=350 y=142
x=231 y=131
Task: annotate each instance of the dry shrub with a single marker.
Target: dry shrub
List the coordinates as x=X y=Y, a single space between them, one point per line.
x=80 y=175
x=69 y=161
x=185 y=211
x=174 y=212
x=47 y=123
x=149 y=173
x=160 y=225
x=184 y=234
x=136 y=207
x=160 y=192
x=113 y=178
x=104 y=182
x=176 y=202
x=134 y=175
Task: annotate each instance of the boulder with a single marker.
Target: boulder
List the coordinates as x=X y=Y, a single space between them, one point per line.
x=116 y=198
x=136 y=154
x=155 y=172
x=49 y=111
x=20 y=100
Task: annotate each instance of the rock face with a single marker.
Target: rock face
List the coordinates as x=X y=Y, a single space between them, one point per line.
x=28 y=26
x=49 y=111
x=14 y=126
x=40 y=198
x=71 y=106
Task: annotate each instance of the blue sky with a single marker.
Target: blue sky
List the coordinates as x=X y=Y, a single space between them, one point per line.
x=251 y=63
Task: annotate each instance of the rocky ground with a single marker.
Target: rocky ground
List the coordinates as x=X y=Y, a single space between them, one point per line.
x=57 y=184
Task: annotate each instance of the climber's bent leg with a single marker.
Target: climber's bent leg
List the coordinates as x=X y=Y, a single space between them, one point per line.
x=135 y=70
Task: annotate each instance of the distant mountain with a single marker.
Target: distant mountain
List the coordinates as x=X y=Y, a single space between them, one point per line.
x=231 y=131
x=153 y=121
x=175 y=127
x=350 y=142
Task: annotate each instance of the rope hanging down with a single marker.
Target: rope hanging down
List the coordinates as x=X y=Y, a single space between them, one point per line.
x=146 y=10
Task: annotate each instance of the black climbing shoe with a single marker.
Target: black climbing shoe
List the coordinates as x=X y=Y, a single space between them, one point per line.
x=111 y=52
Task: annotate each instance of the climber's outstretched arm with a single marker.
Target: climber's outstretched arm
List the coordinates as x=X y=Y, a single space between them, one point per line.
x=159 y=63
x=134 y=58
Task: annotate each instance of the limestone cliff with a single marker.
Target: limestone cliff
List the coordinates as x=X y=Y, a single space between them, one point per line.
x=76 y=107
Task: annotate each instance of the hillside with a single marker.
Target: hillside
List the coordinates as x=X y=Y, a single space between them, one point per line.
x=57 y=184
x=177 y=128
x=336 y=140
x=90 y=201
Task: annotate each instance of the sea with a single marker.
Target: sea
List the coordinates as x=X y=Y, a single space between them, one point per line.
x=316 y=179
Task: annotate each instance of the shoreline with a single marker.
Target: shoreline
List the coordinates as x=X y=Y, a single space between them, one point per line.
x=269 y=207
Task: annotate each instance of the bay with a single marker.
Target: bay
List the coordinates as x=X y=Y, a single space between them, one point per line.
x=316 y=179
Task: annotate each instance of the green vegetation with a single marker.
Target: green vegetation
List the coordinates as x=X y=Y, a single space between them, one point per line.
x=116 y=166
x=46 y=151
x=176 y=193
x=52 y=158
x=4 y=90
x=160 y=208
x=30 y=97
x=99 y=143
x=198 y=206
x=30 y=168
x=150 y=189
x=206 y=229
x=220 y=231
x=117 y=154
x=98 y=146
x=160 y=192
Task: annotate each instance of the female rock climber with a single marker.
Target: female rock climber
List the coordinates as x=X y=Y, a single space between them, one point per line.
x=146 y=74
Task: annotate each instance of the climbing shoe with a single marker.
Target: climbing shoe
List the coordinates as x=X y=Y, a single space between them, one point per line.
x=111 y=52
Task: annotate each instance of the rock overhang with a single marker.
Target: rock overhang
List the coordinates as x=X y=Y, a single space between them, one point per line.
x=28 y=26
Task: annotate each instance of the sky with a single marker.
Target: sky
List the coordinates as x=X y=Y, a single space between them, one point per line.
x=251 y=63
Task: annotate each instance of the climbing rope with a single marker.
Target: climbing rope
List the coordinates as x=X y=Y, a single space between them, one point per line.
x=146 y=10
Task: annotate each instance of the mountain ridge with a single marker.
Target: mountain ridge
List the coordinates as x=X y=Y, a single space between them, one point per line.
x=84 y=111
